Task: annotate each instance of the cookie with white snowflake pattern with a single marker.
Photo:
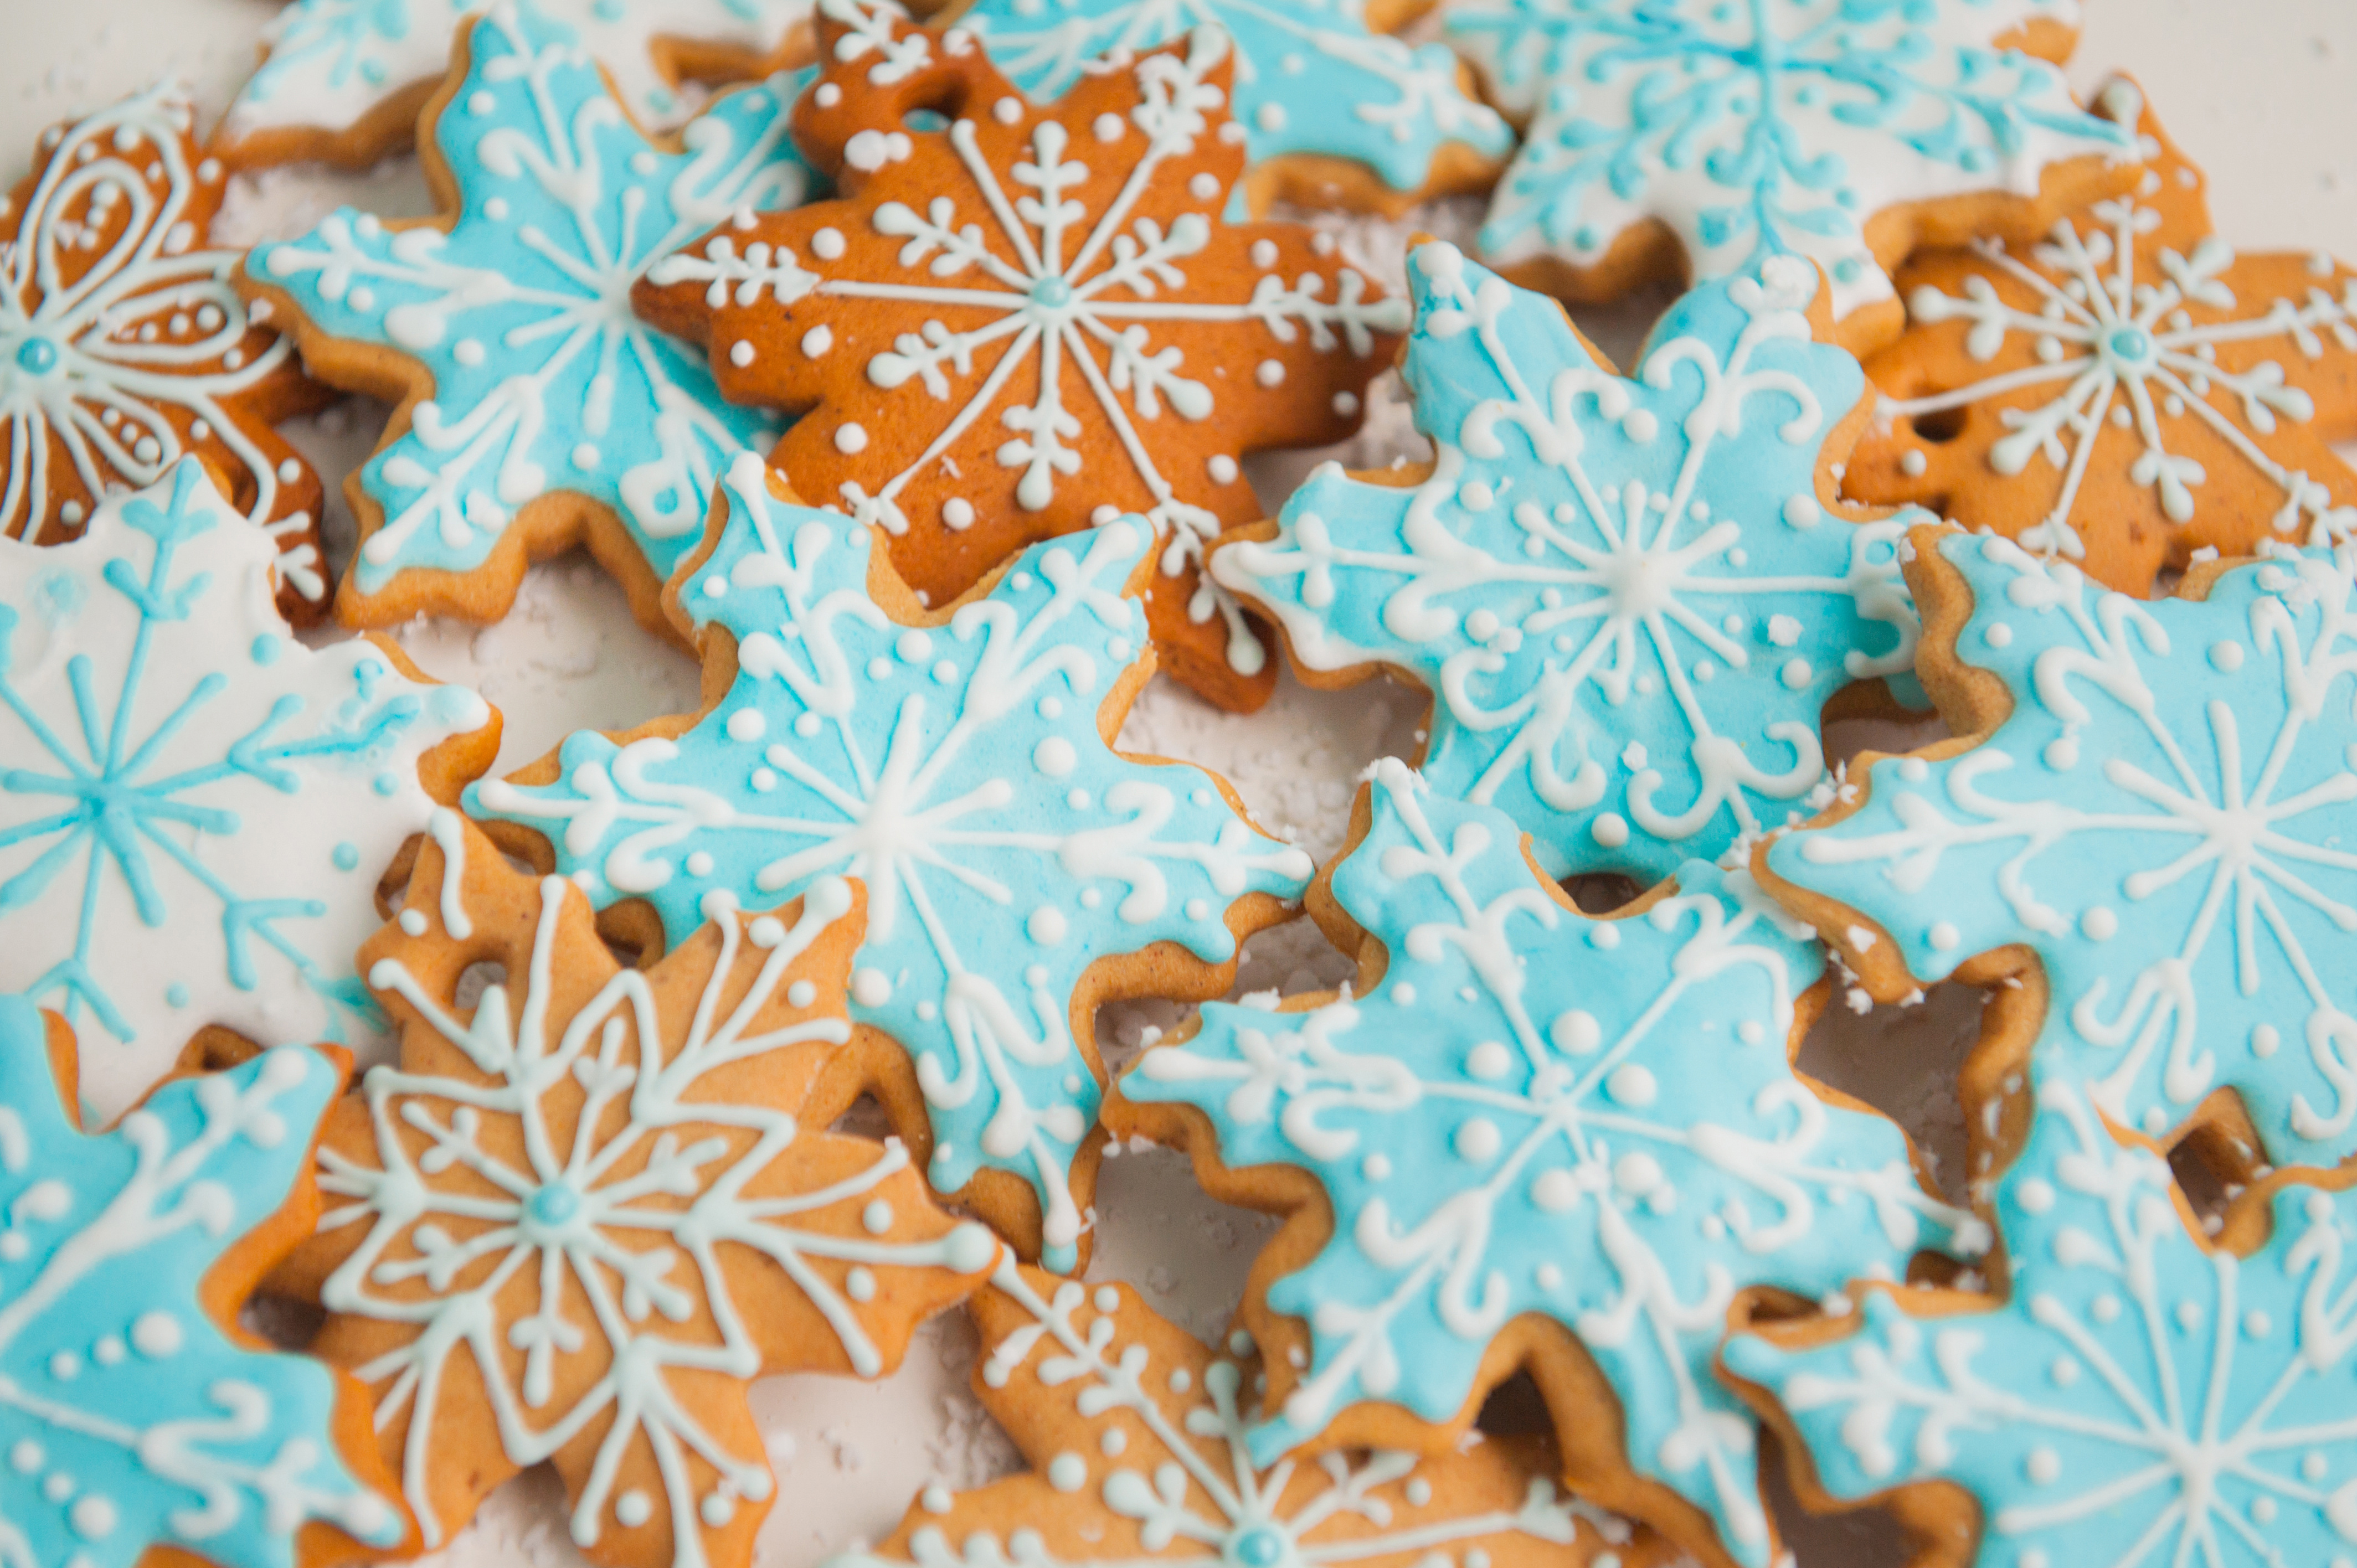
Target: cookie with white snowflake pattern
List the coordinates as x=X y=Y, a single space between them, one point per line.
x=591 y=1204
x=2140 y=835
x=1335 y=110
x=124 y=345
x=2136 y=1394
x=1694 y=138
x=344 y=79
x=1632 y=598
x=959 y=761
x=1528 y=1138
x=535 y=413
x=142 y=1423
x=2127 y=391
x=1034 y=317
x=1135 y=1433
x=196 y=809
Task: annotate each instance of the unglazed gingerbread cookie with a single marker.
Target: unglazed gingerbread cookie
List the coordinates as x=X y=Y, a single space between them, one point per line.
x=1631 y=598
x=958 y=761
x=1525 y=1138
x=2144 y=821
x=584 y=1213
x=535 y=413
x=1033 y=319
x=138 y=1420
x=195 y=808
x=124 y=346
x=1335 y=112
x=1694 y=137
x=2139 y=1395
x=343 y=80
x=2127 y=392
x=1135 y=1436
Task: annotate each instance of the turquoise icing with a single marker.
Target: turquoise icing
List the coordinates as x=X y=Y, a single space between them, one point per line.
x=1311 y=77
x=1624 y=594
x=1766 y=127
x=2137 y=1398
x=543 y=379
x=958 y=771
x=127 y=1419
x=2164 y=819
x=1535 y=1112
x=176 y=782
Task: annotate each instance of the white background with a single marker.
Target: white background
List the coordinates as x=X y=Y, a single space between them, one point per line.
x=2262 y=94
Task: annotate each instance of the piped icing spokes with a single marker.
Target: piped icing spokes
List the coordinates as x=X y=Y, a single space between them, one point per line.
x=958 y=770
x=2139 y=1398
x=612 y=1193
x=1535 y=1113
x=1137 y=1432
x=1625 y=594
x=2159 y=819
x=1051 y=323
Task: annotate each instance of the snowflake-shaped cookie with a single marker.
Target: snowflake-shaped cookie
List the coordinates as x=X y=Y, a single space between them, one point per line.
x=578 y=1218
x=1034 y=318
x=195 y=808
x=2140 y=1398
x=1136 y=1435
x=1738 y=131
x=1630 y=599
x=1524 y=1113
x=124 y=346
x=2127 y=392
x=538 y=412
x=956 y=763
x=345 y=79
x=2155 y=810
x=134 y=1412
x=1314 y=84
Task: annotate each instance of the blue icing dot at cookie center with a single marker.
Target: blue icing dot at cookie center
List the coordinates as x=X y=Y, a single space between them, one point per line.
x=2128 y=347
x=1052 y=294
x=1256 y=1546
x=554 y=1206
x=36 y=355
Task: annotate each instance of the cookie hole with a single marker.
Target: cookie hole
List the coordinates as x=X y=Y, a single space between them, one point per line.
x=2206 y=1189
x=1904 y=1061
x=925 y=121
x=474 y=980
x=1601 y=892
x=1940 y=426
x=282 y=1322
x=865 y=1119
x=1516 y=1408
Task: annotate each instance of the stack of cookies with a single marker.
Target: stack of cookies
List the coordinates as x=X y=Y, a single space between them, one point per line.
x=379 y=1120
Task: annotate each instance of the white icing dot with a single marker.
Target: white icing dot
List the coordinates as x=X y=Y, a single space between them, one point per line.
x=817 y=341
x=740 y=353
x=1944 y=936
x=1997 y=634
x=1803 y=511
x=870 y=988
x=1555 y=1191
x=747 y=725
x=957 y=515
x=1376 y=1167
x=1008 y=110
x=1046 y=924
x=1270 y=374
x=859 y=1284
x=2100 y=923
x=2043 y=1466
x=1054 y=757
x=2266 y=1041
x=1488 y=1059
x=1913 y=464
x=413 y=922
x=1222 y=468
x=156 y=1335
x=877 y=1218
x=1633 y=1084
x=827 y=244
x=1574 y=1032
x=1610 y=830
x=1346 y=403
x=1796 y=673
x=1478 y=1140
x=1204 y=187
x=2226 y=657
x=1641 y=426
x=1110 y=127
x=92 y=1516
x=1637 y=1173
x=633 y=1508
x=850 y=437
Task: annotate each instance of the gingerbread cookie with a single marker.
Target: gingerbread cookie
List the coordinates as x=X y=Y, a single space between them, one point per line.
x=959 y=761
x=123 y=346
x=2129 y=392
x=1335 y=112
x=1525 y=1138
x=195 y=808
x=535 y=414
x=1136 y=1435
x=1632 y=600
x=582 y=1215
x=2143 y=826
x=135 y=1414
x=1033 y=319
x=344 y=79
x=2138 y=1396
x=1693 y=138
